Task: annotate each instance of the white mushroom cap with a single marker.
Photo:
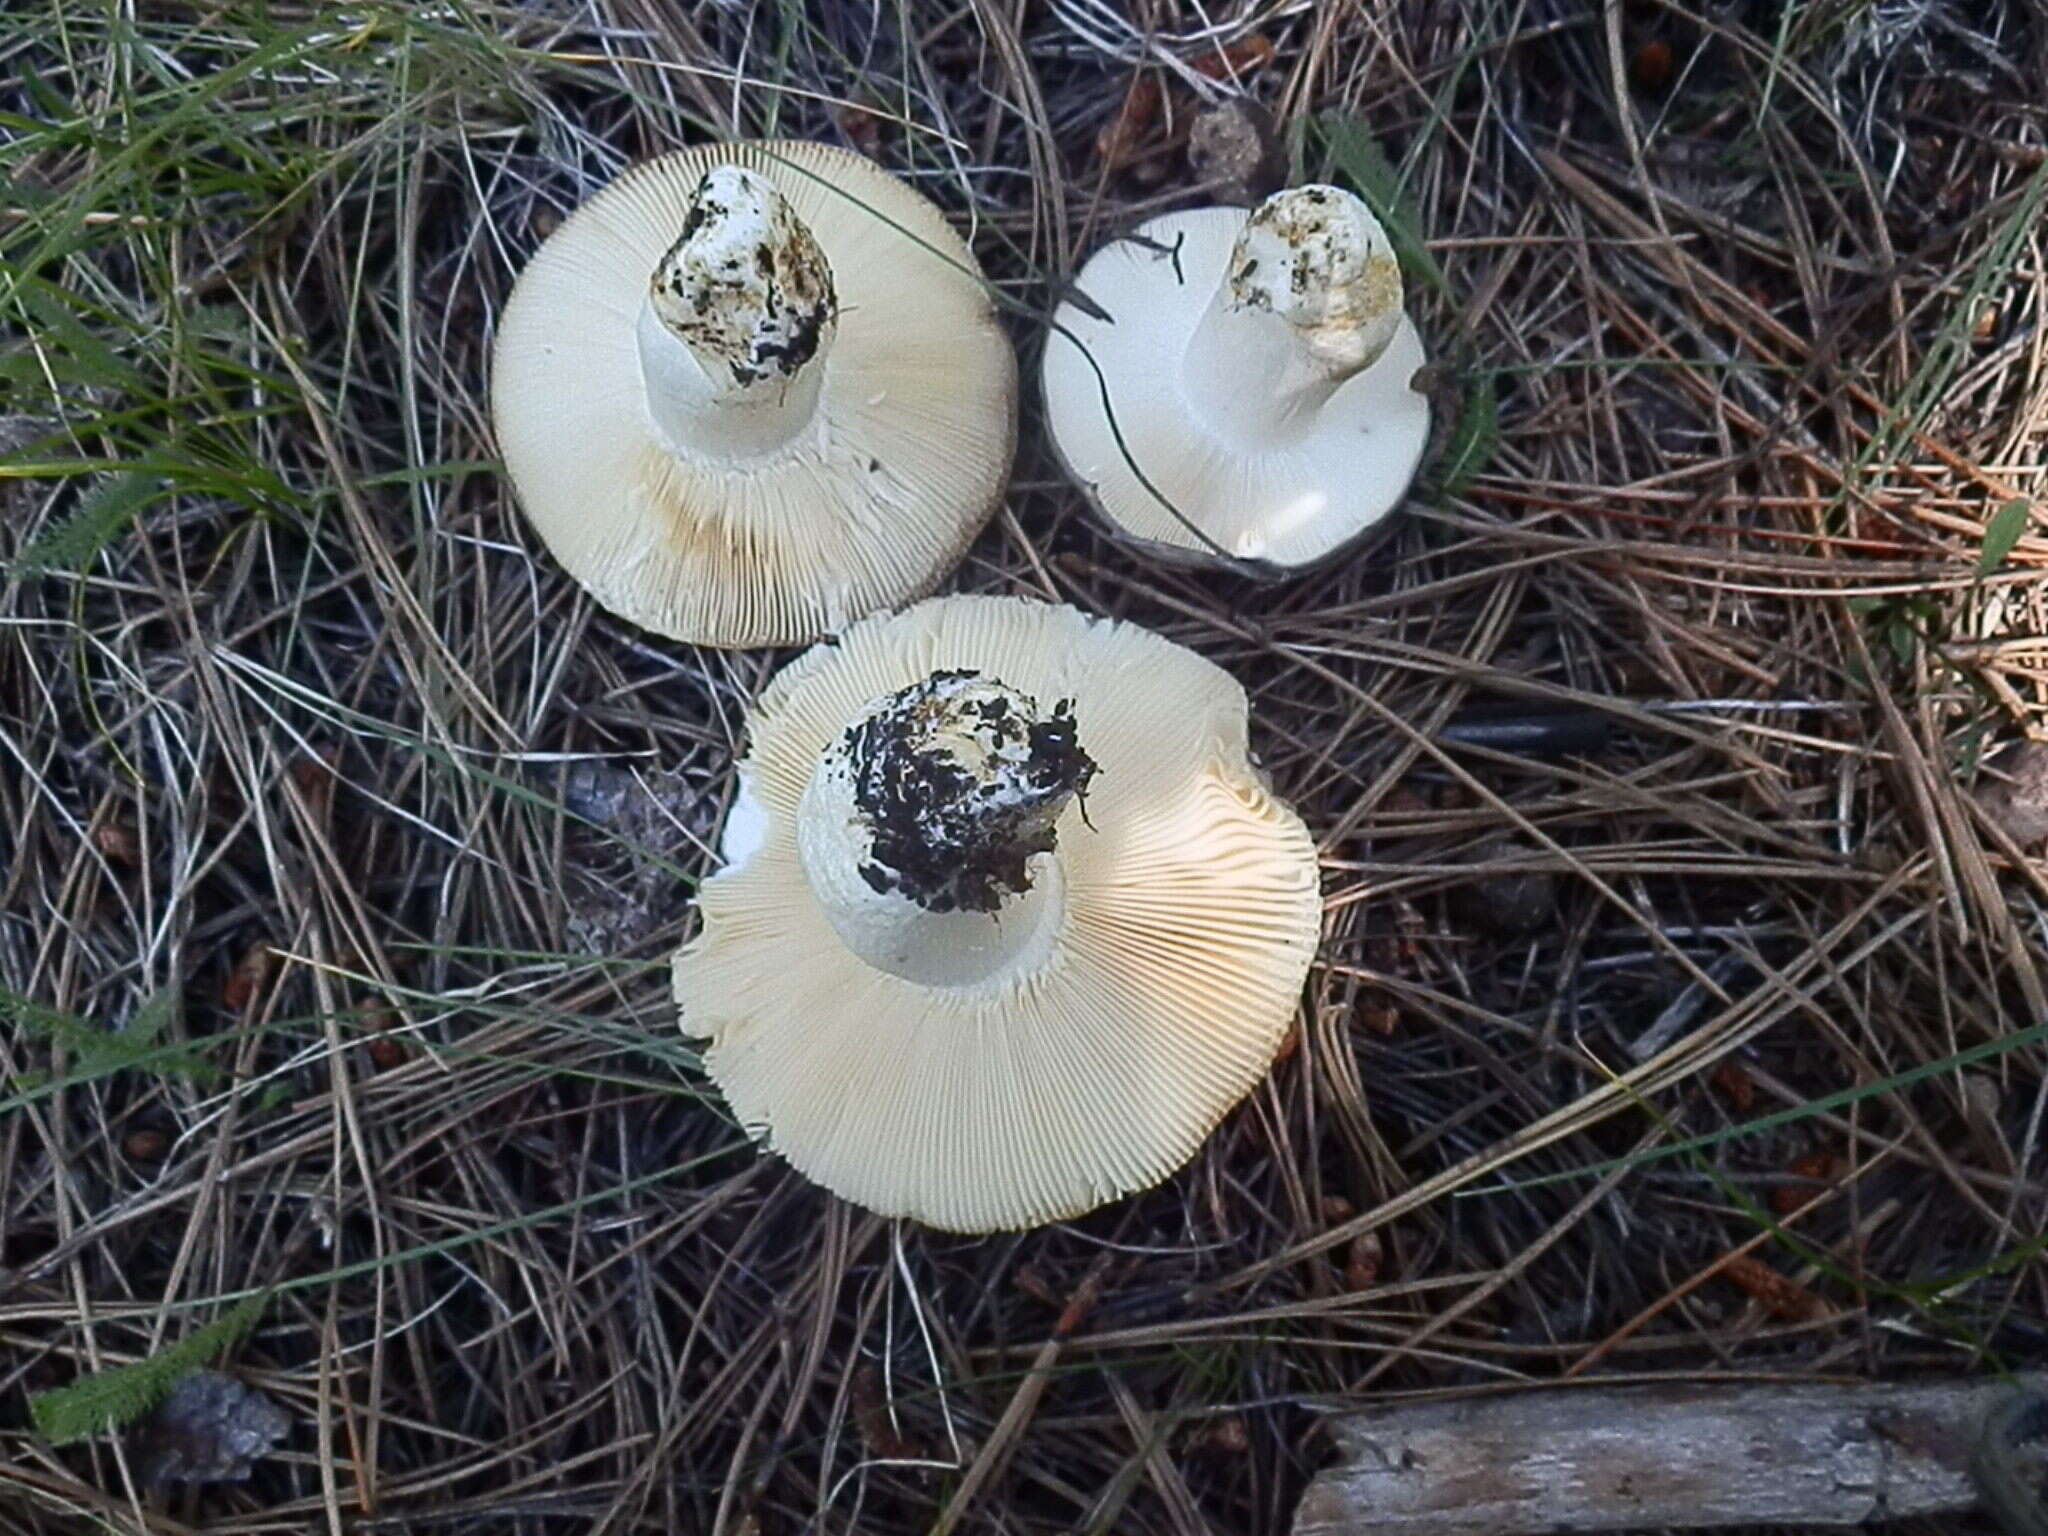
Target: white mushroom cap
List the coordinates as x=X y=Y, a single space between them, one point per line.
x=988 y=1043
x=1258 y=371
x=750 y=392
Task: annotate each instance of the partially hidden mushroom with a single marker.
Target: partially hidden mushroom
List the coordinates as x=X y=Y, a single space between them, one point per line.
x=1007 y=921
x=750 y=392
x=1240 y=385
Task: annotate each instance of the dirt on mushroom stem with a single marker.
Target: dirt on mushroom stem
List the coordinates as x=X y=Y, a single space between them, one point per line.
x=960 y=781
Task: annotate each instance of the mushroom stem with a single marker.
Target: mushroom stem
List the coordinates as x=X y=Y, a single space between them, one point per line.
x=927 y=831
x=1311 y=297
x=738 y=318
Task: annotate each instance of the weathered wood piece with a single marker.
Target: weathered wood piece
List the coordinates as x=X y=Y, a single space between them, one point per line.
x=1623 y=1458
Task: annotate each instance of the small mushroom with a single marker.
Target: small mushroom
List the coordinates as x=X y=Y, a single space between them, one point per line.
x=1250 y=396
x=750 y=392
x=1008 y=920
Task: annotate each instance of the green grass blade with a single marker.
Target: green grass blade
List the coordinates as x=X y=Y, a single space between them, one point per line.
x=1947 y=1064
x=1473 y=439
x=2000 y=535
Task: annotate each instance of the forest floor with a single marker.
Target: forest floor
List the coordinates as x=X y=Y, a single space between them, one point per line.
x=343 y=841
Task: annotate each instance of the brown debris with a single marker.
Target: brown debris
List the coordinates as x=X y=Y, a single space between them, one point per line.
x=1225 y=1436
x=1118 y=141
x=877 y=1430
x=1234 y=147
x=1144 y=99
x=118 y=843
x=625 y=820
x=1364 y=1258
x=1512 y=902
x=2014 y=792
x=1028 y=1280
x=247 y=981
x=146 y=1146
x=1651 y=67
x=862 y=128
x=1249 y=54
x=1814 y=1171
x=1290 y=1043
x=211 y=1429
x=1781 y=1296
x=314 y=778
x=1732 y=1080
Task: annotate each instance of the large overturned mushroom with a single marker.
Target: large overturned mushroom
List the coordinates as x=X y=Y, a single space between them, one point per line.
x=1008 y=920
x=751 y=392
x=1241 y=385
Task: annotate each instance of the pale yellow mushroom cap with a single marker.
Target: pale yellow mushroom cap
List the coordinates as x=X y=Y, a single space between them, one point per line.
x=1154 y=970
x=842 y=477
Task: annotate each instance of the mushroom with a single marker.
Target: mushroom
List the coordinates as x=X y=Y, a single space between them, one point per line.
x=1007 y=922
x=750 y=392
x=1242 y=384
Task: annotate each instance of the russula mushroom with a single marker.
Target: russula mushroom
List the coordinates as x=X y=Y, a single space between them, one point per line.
x=1250 y=395
x=1008 y=921
x=750 y=392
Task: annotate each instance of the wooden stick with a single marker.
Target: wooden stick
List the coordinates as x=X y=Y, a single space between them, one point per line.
x=1690 y=1456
